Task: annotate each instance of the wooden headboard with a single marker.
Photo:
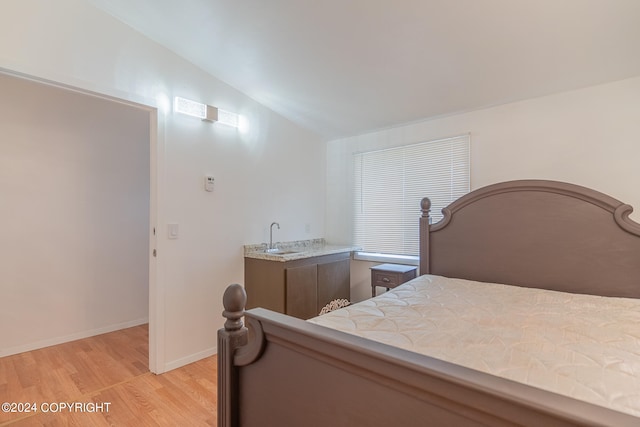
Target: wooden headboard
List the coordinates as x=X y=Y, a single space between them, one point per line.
x=536 y=233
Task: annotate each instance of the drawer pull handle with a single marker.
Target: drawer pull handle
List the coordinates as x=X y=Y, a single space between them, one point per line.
x=386 y=280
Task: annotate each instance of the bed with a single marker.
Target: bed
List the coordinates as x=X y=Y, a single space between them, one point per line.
x=534 y=235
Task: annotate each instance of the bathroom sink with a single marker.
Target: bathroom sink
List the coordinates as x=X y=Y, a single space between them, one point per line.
x=280 y=252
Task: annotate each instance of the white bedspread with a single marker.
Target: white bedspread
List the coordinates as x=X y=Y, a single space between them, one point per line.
x=586 y=347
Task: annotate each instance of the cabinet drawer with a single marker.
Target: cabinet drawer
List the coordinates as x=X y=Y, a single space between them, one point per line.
x=385 y=279
x=390 y=275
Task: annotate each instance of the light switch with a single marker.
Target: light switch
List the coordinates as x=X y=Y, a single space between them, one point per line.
x=173 y=231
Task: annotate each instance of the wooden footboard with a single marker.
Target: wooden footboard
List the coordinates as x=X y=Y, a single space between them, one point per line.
x=284 y=371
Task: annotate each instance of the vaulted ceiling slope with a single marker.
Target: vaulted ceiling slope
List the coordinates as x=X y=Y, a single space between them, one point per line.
x=345 y=67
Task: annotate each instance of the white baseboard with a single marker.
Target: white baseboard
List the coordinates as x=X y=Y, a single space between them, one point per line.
x=189 y=359
x=73 y=337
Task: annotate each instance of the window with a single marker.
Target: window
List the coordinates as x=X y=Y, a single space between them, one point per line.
x=389 y=184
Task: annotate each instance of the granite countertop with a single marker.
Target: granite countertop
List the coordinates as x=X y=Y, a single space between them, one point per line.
x=299 y=249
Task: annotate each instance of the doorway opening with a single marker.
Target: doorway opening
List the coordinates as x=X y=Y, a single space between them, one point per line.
x=79 y=213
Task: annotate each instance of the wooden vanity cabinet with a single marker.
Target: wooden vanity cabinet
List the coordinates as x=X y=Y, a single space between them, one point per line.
x=301 y=291
x=300 y=287
x=333 y=282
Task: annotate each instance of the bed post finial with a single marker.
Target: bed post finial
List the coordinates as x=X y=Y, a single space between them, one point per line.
x=234 y=301
x=425 y=220
x=425 y=206
x=230 y=338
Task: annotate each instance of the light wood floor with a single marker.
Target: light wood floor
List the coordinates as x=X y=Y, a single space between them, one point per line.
x=110 y=368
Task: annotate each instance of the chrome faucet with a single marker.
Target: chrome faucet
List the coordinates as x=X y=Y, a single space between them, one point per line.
x=271 y=248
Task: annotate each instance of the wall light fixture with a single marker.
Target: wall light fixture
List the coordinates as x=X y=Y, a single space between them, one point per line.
x=205 y=112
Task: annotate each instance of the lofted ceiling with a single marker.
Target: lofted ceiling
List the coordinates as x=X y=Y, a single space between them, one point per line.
x=345 y=67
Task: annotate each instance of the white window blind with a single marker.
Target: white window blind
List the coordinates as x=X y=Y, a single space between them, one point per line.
x=389 y=184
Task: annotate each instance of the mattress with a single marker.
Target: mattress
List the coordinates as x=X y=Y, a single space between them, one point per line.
x=582 y=346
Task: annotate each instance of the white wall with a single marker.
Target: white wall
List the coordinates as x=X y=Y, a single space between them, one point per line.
x=74 y=180
x=274 y=172
x=589 y=137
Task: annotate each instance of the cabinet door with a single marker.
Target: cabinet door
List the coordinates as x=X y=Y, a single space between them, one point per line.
x=264 y=284
x=302 y=291
x=333 y=282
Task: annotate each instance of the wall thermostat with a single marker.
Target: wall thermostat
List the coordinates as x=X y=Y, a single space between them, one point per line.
x=208 y=183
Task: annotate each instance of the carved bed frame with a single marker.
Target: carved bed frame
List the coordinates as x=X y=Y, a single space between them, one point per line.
x=287 y=372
